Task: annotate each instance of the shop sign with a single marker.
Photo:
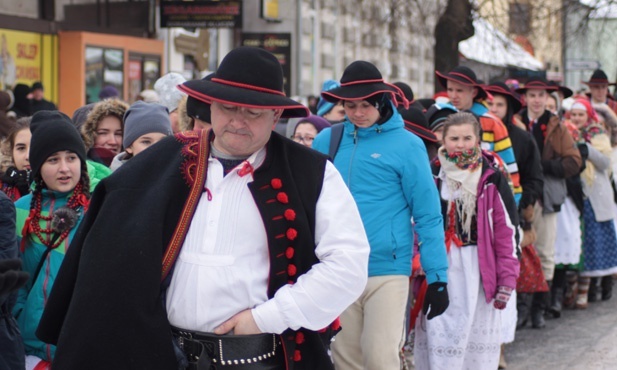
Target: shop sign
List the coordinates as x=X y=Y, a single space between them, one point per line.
x=278 y=44
x=20 y=58
x=202 y=14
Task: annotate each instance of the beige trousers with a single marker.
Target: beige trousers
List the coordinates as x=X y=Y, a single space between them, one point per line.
x=372 y=332
x=546 y=233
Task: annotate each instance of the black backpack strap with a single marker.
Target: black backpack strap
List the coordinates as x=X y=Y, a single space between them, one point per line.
x=336 y=134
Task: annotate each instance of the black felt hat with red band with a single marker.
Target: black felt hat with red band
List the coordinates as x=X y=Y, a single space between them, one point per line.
x=416 y=122
x=464 y=76
x=362 y=80
x=566 y=91
x=536 y=83
x=249 y=77
x=500 y=88
x=598 y=77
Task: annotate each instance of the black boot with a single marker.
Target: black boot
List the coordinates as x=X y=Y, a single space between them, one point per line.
x=607 y=287
x=592 y=295
x=557 y=291
x=538 y=304
x=522 y=308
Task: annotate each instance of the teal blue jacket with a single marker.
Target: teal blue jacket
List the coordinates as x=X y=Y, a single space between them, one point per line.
x=33 y=296
x=388 y=173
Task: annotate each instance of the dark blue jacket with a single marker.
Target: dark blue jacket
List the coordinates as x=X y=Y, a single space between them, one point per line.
x=12 y=354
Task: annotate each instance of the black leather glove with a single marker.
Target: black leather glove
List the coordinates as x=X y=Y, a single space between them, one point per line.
x=584 y=150
x=19 y=179
x=11 y=276
x=437 y=298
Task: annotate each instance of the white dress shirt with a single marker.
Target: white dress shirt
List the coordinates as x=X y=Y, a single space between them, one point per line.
x=224 y=265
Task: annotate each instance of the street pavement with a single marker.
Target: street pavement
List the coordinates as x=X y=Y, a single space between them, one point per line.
x=579 y=340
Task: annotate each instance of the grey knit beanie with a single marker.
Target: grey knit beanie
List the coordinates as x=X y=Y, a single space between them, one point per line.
x=143 y=118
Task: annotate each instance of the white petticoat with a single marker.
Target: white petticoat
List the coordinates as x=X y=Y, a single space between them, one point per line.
x=568 y=240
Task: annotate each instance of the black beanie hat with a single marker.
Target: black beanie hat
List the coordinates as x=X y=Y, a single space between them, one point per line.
x=198 y=109
x=53 y=131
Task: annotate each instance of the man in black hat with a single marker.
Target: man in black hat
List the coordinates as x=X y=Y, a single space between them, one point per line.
x=231 y=248
x=38 y=99
x=598 y=87
x=466 y=94
x=560 y=160
x=387 y=170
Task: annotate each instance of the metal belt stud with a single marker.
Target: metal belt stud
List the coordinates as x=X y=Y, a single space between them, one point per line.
x=248 y=360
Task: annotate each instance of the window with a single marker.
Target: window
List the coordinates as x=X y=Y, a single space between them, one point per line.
x=103 y=67
x=520 y=18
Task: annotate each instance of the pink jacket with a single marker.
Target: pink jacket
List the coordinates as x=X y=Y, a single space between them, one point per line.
x=499 y=265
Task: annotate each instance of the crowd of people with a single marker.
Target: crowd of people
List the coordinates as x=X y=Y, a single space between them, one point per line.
x=184 y=232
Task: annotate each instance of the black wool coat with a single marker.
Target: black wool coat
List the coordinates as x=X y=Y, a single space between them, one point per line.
x=107 y=311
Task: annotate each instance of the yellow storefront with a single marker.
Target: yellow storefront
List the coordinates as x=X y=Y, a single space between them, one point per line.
x=27 y=57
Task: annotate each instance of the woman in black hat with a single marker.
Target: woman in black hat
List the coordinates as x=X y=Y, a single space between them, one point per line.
x=388 y=173
x=48 y=218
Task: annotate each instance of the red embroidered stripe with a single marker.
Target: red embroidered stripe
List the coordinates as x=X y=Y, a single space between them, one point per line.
x=538 y=84
x=189 y=206
x=247 y=86
x=498 y=90
x=471 y=81
x=362 y=82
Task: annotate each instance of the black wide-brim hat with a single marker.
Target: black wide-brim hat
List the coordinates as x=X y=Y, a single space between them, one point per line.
x=464 y=76
x=362 y=80
x=248 y=77
x=598 y=77
x=536 y=83
x=416 y=122
x=500 y=88
x=566 y=91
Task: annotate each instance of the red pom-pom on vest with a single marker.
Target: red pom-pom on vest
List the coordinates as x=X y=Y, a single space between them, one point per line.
x=276 y=184
x=299 y=337
x=336 y=325
x=297 y=356
x=291 y=233
x=289 y=252
x=290 y=215
x=282 y=197
x=292 y=270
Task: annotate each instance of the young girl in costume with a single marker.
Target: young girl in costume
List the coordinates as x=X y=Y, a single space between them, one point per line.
x=599 y=238
x=15 y=182
x=47 y=220
x=478 y=208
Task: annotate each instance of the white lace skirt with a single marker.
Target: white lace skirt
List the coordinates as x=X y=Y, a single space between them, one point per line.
x=468 y=335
